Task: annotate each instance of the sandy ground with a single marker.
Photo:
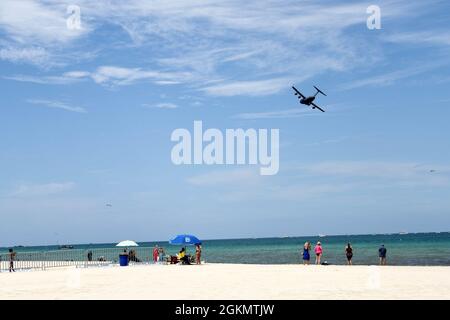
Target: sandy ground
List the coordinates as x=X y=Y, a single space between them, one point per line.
x=229 y=281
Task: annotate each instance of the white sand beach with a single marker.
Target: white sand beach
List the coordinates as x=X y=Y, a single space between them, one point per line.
x=229 y=281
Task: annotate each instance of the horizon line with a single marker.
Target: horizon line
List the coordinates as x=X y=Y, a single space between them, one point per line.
x=246 y=238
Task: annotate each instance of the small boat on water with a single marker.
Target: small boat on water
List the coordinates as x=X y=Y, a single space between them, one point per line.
x=322 y=235
x=65 y=247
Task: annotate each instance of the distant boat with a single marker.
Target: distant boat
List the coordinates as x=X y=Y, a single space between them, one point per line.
x=65 y=247
x=322 y=235
x=403 y=232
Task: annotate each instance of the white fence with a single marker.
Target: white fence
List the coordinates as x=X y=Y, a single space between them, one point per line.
x=73 y=257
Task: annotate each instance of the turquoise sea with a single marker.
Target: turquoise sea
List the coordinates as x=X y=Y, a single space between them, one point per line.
x=430 y=249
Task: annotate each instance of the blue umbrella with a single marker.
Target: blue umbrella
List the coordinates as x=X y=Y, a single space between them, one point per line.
x=185 y=239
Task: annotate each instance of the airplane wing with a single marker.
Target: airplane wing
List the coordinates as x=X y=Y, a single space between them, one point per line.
x=298 y=92
x=316 y=106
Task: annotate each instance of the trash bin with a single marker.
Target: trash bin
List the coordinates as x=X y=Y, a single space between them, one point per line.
x=123 y=259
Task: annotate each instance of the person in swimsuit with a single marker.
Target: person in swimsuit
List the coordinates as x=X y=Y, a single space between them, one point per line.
x=198 y=253
x=306 y=256
x=155 y=254
x=349 y=253
x=318 y=251
x=382 y=254
x=161 y=255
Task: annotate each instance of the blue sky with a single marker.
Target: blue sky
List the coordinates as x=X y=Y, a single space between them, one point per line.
x=86 y=118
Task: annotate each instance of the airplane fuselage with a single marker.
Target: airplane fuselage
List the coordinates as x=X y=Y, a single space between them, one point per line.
x=307 y=100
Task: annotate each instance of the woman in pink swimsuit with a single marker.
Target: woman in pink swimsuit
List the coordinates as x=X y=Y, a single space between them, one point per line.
x=318 y=251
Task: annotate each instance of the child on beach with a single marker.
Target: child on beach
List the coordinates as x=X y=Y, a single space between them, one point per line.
x=318 y=251
x=306 y=255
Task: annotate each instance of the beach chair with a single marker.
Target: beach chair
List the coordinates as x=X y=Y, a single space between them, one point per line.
x=173 y=260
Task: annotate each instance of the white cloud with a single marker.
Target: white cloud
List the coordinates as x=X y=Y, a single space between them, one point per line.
x=57 y=105
x=166 y=82
x=321 y=179
x=248 y=185
x=327 y=141
x=236 y=40
x=388 y=173
x=76 y=74
x=390 y=78
x=357 y=168
x=60 y=80
x=202 y=42
x=197 y=41
x=226 y=177
x=288 y=18
x=300 y=192
x=37 y=56
x=250 y=88
x=434 y=37
x=39 y=190
x=35 y=31
x=165 y=105
x=108 y=76
x=290 y=113
x=124 y=76
x=29 y=21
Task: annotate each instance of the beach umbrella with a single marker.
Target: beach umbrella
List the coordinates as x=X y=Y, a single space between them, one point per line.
x=185 y=239
x=127 y=243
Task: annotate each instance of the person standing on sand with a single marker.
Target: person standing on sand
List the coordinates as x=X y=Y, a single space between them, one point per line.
x=161 y=255
x=318 y=251
x=349 y=253
x=198 y=253
x=155 y=254
x=382 y=254
x=12 y=256
x=306 y=255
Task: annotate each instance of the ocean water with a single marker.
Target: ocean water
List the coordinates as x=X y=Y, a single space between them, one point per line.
x=427 y=249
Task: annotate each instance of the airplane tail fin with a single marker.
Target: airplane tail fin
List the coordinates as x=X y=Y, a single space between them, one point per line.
x=318 y=90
